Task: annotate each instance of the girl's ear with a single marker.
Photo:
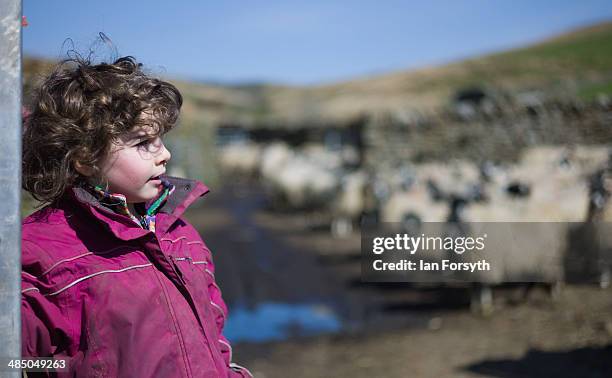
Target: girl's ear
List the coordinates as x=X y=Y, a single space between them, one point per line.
x=83 y=169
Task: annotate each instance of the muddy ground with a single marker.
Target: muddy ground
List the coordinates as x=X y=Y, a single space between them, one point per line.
x=391 y=330
x=570 y=338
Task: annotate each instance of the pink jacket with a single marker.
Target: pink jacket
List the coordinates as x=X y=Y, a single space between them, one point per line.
x=117 y=300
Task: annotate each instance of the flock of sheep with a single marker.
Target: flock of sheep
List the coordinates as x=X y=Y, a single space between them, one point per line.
x=549 y=183
x=306 y=179
x=562 y=186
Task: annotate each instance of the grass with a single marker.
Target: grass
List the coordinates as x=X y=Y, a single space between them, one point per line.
x=592 y=92
x=544 y=64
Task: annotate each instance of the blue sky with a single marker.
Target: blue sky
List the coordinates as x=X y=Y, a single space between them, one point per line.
x=299 y=42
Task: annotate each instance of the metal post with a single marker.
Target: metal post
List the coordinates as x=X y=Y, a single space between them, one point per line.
x=10 y=180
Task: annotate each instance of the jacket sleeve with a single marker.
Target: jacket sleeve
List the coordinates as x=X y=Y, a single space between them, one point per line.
x=217 y=301
x=43 y=327
x=35 y=336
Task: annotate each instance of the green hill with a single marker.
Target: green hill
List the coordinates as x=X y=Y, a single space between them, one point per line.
x=577 y=64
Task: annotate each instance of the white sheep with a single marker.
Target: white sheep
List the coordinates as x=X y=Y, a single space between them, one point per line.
x=298 y=180
x=349 y=203
x=243 y=159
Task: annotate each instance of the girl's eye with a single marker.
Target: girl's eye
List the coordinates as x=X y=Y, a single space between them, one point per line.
x=144 y=143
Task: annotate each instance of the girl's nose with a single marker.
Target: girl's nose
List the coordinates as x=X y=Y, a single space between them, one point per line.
x=164 y=154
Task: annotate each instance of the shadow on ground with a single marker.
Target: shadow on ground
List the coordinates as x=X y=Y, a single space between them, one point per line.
x=588 y=362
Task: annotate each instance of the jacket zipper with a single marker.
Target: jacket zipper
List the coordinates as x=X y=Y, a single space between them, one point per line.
x=212 y=344
x=178 y=271
x=176 y=325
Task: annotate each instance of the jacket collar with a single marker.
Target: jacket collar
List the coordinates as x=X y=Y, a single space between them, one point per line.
x=186 y=192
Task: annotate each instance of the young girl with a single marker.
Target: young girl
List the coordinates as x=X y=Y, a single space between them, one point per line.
x=115 y=281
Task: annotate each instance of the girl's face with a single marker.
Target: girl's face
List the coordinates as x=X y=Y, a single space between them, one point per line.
x=134 y=165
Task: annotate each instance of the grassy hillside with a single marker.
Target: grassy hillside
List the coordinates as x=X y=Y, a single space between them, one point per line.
x=578 y=63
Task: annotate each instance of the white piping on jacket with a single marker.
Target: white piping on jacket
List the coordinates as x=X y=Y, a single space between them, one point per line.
x=173 y=241
x=63 y=261
x=209 y=272
x=206 y=269
x=190 y=259
x=97 y=274
x=28 y=274
x=220 y=309
x=236 y=366
x=29 y=289
x=181 y=238
x=78 y=257
x=230 y=349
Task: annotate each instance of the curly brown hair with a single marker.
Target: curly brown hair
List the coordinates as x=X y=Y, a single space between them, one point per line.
x=80 y=110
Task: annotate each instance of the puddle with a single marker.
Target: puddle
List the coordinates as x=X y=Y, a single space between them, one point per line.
x=270 y=321
x=277 y=291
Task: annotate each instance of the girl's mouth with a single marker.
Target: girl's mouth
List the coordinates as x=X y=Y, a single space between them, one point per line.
x=155 y=181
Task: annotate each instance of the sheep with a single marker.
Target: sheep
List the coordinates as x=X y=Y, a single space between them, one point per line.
x=435 y=190
x=243 y=159
x=557 y=190
x=305 y=184
x=455 y=178
x=321 y=156
x=273 y=157
x=295 y=180
x=547 y=186
x=415 y=203
x=351 y=202
x=595 y=236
